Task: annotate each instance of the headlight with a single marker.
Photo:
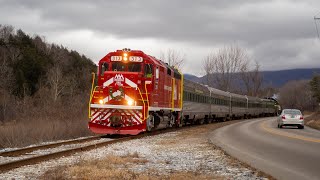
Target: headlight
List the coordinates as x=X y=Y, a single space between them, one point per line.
x=130 y=102
x=101 y=101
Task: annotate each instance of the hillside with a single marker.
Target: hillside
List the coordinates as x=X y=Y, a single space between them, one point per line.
x=279 y=78
x=273 y=78
x=44 y=90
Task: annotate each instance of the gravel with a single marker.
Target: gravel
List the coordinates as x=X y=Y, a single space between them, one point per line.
x=167 y=153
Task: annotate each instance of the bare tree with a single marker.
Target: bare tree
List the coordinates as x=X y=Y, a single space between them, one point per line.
x=5 y=32
x=57 y=81
x=297 y=94
x=225 y=63
x=207 y=66
x=252 y=79
x=173 y=58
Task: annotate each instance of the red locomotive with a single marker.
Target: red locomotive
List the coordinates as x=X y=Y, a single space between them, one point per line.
x=135 y=92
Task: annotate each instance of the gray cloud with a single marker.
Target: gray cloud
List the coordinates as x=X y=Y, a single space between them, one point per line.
x=275 y=30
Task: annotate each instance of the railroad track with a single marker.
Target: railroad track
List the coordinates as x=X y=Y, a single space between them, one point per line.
x=27 y=160
x=18 y=152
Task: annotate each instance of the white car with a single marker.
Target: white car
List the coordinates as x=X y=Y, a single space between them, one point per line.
x=291 y=117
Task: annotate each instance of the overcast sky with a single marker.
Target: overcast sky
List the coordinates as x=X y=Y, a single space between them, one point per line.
x=279 y=34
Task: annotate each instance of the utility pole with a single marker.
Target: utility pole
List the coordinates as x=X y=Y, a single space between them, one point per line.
x=315 y=22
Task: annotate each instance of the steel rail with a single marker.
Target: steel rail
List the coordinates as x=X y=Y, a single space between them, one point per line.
x=18 y=152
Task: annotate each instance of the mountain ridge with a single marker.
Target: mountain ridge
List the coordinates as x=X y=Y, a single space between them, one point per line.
x=275 y=78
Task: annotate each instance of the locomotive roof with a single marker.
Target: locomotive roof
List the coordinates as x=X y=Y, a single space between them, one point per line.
x=148 y=58
x=155 y=60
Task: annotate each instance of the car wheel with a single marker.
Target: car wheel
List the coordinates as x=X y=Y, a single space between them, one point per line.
x=301 y=127
x=278 y=126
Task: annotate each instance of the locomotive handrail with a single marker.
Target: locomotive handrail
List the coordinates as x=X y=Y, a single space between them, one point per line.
x=91 y=93
x=145 y=87
x=142 y=102
x=181 y=93
x=172 y=95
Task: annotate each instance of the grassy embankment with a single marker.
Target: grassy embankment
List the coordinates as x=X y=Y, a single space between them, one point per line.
x=313 y=120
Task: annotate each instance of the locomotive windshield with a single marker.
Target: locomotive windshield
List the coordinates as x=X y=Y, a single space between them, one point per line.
x=104 y=67
x=129 y=67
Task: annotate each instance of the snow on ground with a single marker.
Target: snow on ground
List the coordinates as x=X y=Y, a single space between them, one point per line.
x=166 y=153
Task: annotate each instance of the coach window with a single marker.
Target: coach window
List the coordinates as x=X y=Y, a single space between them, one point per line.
x=169 y=71
x=148 y=70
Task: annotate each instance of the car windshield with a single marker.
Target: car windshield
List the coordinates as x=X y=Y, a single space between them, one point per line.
x=292 y=112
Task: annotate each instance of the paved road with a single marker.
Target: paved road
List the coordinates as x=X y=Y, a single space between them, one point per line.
x=283 y=153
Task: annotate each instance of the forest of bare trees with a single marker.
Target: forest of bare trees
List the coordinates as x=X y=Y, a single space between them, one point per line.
x=44 y=89
x=297 y=95
x=230 y=68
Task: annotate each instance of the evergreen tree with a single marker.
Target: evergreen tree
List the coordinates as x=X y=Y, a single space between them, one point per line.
x=315 y=87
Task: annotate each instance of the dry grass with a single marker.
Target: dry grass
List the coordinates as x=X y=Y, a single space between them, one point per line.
x=37 y=121
x=19 y=134
x=313 y=120
x=117 y=168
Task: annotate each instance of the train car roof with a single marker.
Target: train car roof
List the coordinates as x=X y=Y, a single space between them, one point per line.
x=238 y=96
x=266 y=99
x=251 y=98
x=218 y=91
x=195 y=87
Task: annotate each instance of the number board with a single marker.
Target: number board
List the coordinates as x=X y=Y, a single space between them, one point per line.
x=135 y=59
x=116 y=58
